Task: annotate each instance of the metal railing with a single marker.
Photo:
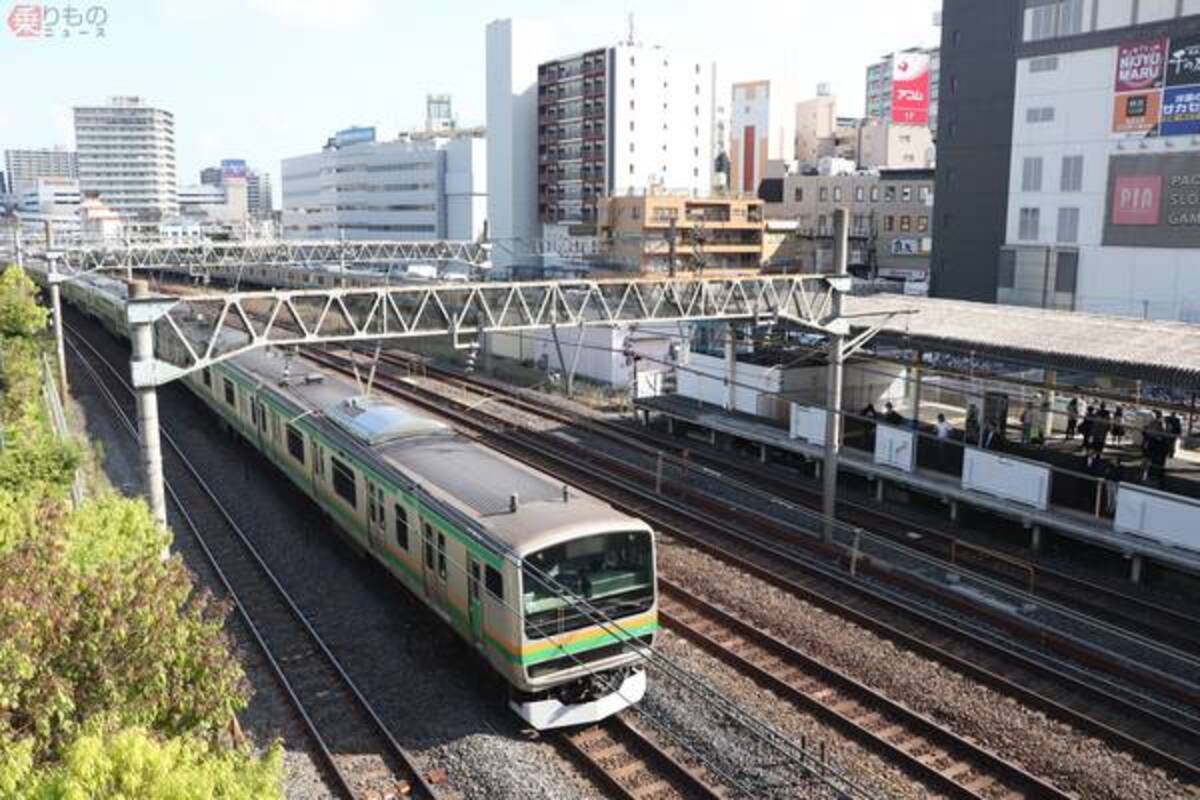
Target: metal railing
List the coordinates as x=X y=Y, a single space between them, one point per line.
x=58 y=422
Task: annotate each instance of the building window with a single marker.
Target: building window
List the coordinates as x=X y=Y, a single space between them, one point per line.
x=874 y=194
x=630 y=124
x=922 y=224
x=1068 y=225
x=1043 y=64
x=1039 y=114
x=824 y=194
x=230 y=393
x=344 y=482
x=906 y=194
x=631 y=84
x=837 y=194
x=798 y=194
x=401 y=526
x=821 y=222
x=889 y=194
x=1027 y=228
x=1072 y=174
x=295 y=444
x=631 y=105
x=905 y=223
x=860 y=194
x=1031 y=174
x=631 y=147
x=889 y=223
x=923 y=194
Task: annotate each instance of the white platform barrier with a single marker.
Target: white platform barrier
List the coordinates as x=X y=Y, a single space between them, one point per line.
x=649 y=384
x=1165 y=517
x=808 y=423
x=1007 y=478
x=895 y=447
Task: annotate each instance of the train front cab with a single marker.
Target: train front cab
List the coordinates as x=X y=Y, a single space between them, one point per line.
x=576 y=671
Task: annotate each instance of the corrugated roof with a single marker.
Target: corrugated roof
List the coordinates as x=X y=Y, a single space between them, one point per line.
x=1166 y=353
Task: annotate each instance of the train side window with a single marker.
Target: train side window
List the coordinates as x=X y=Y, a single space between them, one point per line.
x=230 y=393
x=495 y=583
x=295 y=444
x=344 y=483
x=206 y=375
x=401 y=526
x=428 y=546
x=441 y=555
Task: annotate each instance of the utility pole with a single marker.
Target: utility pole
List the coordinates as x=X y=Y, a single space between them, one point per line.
x=833 y=379
x=141 y=331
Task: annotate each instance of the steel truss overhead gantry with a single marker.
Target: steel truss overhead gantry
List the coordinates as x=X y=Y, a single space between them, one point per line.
x=204 y=255
x=173 y=336
x=199 y=330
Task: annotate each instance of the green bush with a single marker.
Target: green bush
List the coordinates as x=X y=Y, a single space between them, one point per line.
x=132 y=764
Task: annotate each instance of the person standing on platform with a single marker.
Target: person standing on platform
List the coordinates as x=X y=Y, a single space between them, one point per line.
x=890 y=415
x=972 y=425
x=1154 y=448
x=1085 y=428
x=943 y=429
x=1100 y=429
x=1174 y=426
x=1118 y=428
x=1027 y=421
x=1072 y=417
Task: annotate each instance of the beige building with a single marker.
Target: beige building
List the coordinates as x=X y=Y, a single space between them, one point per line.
x=762 y=122
x=709 y=233
x=891 y=218
x=882 y=145
x=816 y=121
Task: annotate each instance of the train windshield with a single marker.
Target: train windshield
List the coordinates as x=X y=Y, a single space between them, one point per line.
x=613 y=571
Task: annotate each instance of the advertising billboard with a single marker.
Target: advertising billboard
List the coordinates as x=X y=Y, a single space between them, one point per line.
x=1183 y=61
x=910 y=89
x=349 y=136
x=1153 y=200
x=1140 y=65
x=233 y=168
x=1137 y=112
x=1180 y=111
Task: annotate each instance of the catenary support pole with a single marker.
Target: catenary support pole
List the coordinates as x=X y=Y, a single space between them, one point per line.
x=833 y=380
x=142 y=336
x=60 y=353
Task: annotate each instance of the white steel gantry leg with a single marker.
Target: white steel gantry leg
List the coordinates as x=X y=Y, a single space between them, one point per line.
x=141 y=334
x=833 y=381
x=60 y=353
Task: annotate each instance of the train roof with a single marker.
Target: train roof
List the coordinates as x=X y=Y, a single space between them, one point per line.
x=476 y=480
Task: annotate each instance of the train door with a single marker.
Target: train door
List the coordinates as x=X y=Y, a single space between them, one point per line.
x=376 y=517
x=474 y=611
x=429 y=571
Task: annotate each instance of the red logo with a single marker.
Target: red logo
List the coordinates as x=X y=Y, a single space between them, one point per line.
x=1137 y=200
x=25 y=21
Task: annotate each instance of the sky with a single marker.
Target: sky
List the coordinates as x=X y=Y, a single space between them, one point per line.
x=268 y=79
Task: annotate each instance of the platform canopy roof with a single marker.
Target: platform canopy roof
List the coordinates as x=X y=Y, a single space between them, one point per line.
x=1164 y=353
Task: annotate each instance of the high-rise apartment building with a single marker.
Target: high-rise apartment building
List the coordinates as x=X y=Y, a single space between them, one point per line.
x=415 y=188
x=1068 y=156
x=25 y=166
x=880 y=84
x=620 y=120
x=762 y=128
x=210 y=176
x=126 y=152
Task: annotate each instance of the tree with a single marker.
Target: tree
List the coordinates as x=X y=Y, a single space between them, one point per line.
x=128 y=642
x=20 y=314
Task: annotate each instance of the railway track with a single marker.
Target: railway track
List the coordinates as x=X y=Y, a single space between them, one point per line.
x=927 y=750
x=1164 y=624
x=362 y=759
x=632 y=766
x=1068 y=697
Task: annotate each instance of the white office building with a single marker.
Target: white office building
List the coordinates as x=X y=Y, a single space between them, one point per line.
x=50 y=204
x=126 y=152
x=1105 y=159
x=414 y=188
x=24 y=166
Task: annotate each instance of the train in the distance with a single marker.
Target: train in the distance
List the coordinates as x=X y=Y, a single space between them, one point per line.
x=493 y=547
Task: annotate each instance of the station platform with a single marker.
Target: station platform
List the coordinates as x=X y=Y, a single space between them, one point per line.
x=1092 y=528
